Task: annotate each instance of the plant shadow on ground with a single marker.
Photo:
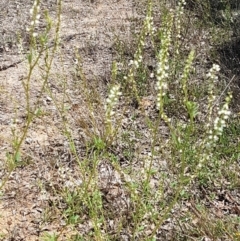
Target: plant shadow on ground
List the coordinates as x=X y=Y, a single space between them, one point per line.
x=230 y=58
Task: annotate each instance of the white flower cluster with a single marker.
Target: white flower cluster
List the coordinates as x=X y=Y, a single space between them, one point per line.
x=137 y=61
x=163 y=65
x=212 y=76
x=185 y=76
x=212 y=73
x=181 y=5
x=214 y=126
x=34 y=12
x=180 y=11
x=148 y=23
x=220 y=121
x=223 y=114
x=214 y=134
x=148 y=29
x=112 y=101
x=138 y=56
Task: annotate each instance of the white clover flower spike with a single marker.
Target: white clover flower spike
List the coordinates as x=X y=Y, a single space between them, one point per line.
x=112 y=101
